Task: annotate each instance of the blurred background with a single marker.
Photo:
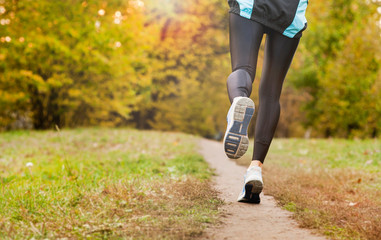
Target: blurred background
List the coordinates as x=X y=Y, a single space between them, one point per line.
x=163 y=65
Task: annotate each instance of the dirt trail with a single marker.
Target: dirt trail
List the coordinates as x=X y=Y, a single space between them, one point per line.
x=243 y=220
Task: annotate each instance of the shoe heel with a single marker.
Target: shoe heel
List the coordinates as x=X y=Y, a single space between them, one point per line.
x=251 y=196
x=256 y=186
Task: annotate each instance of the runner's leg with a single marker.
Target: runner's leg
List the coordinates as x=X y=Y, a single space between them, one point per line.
x=279 y=51
x=245 y=40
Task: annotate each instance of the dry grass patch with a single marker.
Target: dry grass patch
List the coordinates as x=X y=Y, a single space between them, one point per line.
x=103 y=183
x=335 y=202
x=171 y=209
x=330 y=185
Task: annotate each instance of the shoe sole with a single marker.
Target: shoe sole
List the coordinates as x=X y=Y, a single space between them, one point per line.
x=236 y=141
x=252 y=191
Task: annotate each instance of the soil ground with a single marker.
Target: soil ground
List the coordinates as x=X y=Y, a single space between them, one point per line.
x=242 y=220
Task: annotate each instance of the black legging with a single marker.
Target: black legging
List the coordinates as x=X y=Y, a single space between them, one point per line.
x=245 y=40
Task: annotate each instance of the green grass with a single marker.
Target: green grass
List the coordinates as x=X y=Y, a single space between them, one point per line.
x=96 y=183
x=333 y=185
x=332 y=153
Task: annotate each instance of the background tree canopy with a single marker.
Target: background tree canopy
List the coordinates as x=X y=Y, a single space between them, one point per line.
x=163 y=65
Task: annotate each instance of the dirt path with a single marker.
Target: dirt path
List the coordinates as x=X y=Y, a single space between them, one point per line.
x=246 y=221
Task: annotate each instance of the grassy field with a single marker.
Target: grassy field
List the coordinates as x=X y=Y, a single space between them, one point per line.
x=331 y=185
x=103 y=183
x=120 y=183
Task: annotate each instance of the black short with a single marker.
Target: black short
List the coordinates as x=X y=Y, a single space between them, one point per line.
x=284 y=16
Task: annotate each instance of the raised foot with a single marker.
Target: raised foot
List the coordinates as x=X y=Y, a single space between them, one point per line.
x=236 y=141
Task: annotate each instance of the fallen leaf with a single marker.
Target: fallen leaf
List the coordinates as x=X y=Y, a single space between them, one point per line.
x=369 y=162
x=303 y=151
x=302 y=161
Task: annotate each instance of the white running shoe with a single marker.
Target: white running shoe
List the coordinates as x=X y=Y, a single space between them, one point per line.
x=253 y=186
x=240 y=113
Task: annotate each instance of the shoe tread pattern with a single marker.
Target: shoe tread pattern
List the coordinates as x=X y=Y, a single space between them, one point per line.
x=237 y=142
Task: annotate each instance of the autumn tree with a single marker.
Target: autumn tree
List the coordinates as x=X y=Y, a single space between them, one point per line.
x=67 y=63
